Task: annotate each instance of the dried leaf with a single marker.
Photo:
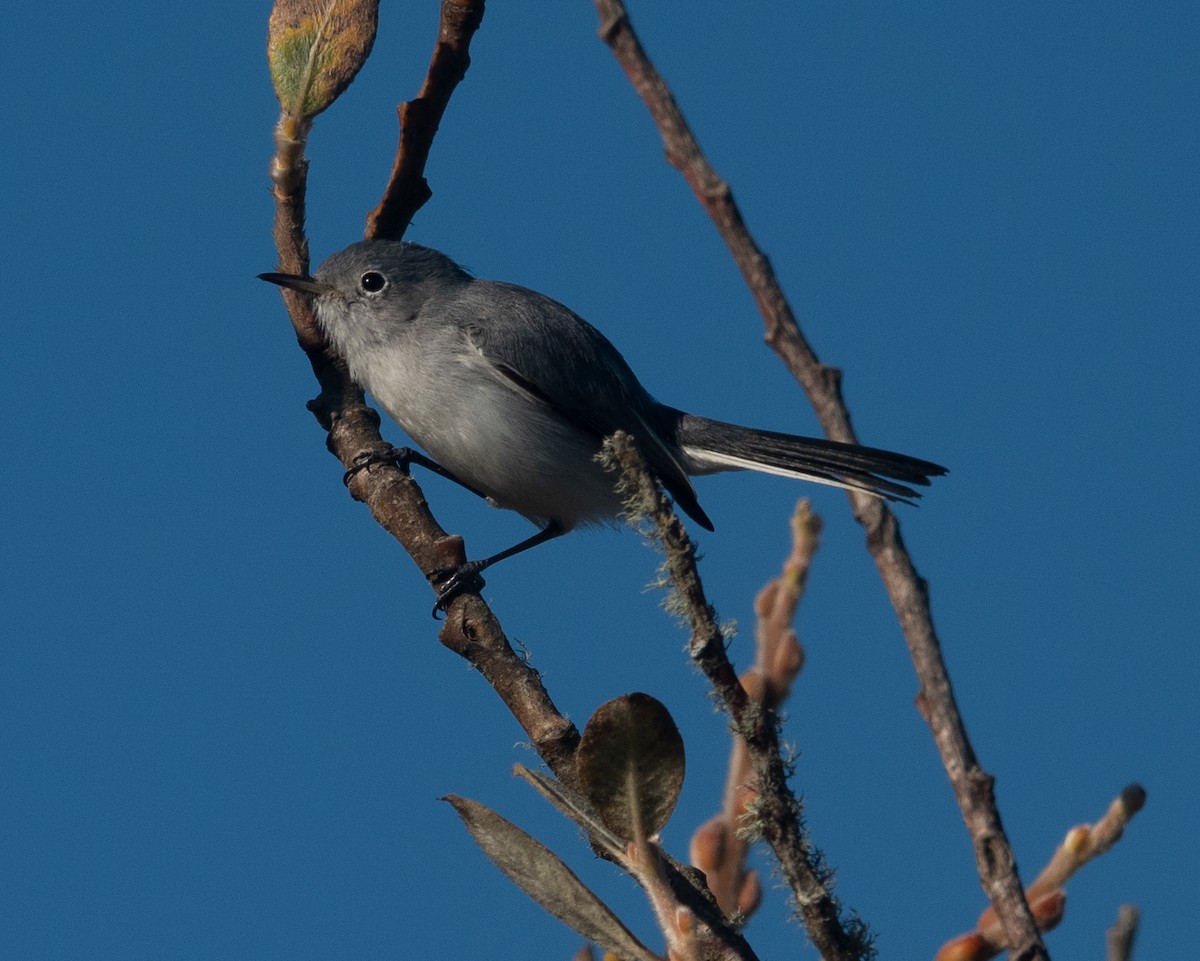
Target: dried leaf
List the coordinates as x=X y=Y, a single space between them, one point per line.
x=539 y=872
x=630 y=764
x=574 y=806
x=316 y=47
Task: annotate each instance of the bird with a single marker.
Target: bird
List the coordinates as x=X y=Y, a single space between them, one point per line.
x=511 y=394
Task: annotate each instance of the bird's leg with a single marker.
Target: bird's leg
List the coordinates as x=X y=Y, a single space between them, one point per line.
x=401 y=457
x=454 y=580
x=466 y=576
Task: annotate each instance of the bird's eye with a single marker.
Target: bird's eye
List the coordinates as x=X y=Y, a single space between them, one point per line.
x=372 y=282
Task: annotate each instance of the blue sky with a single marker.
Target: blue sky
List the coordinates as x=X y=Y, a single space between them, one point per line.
x=227 y=720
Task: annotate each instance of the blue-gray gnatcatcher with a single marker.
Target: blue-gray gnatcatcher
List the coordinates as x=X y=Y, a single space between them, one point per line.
x=512 y=394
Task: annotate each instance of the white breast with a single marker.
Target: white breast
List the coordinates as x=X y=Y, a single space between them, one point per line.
x=490 y=434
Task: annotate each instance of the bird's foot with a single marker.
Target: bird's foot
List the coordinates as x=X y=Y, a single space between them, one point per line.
x=398 y=457
x=452 y=581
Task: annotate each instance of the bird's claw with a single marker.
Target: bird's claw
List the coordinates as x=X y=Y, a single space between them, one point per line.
x=396 y=456
x=452 y=581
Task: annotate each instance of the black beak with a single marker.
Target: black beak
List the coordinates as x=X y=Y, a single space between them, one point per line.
x=305 y=285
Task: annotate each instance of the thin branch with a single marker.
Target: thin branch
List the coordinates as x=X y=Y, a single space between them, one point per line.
x=1122 y=933
x=1085 y=842
x=973 y=787
x=719 y=847
x=289 y=176
x=1046 y=896
x=407 y=189
x=776 y=809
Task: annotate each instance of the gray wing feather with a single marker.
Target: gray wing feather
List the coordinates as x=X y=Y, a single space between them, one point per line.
x=560 y=360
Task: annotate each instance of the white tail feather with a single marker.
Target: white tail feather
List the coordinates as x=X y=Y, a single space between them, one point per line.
x=704 y=461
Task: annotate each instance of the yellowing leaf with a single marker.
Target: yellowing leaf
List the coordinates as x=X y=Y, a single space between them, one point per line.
x=316 y=47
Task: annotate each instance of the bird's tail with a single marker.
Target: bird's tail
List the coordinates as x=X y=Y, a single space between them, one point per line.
x=710 y=446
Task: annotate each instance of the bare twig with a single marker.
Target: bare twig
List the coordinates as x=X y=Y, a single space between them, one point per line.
x=1088 y=841
x=973 y=787
x=1122 y=933
x=776 y=809
x=778 y=656
x=407 y=190
x=719 y=847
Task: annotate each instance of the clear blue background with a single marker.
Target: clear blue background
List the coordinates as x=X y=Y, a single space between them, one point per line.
x=225 y=717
